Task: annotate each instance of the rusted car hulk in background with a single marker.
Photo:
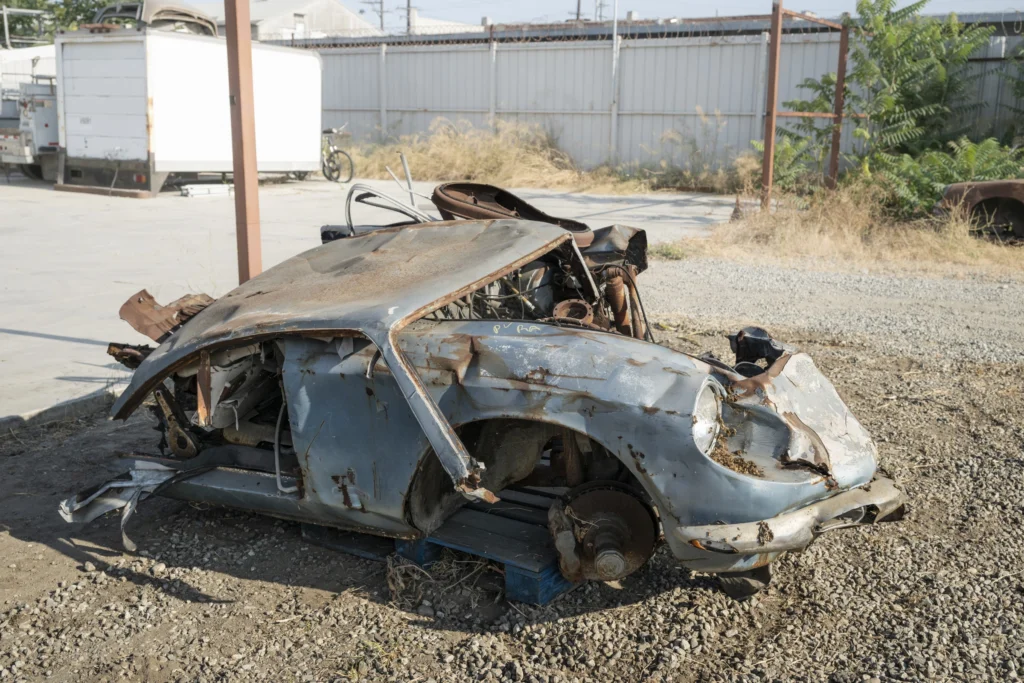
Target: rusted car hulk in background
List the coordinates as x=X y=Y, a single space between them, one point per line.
x=997 y=204
x=378 y=382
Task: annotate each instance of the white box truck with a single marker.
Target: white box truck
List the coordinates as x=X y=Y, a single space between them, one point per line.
x=139 y=104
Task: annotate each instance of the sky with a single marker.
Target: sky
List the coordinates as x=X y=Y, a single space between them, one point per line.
x=503 y=11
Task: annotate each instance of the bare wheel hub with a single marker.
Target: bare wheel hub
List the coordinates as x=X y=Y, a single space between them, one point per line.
x=603 y=531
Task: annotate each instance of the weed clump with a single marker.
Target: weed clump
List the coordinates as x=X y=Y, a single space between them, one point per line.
x=509 y=155
x=852 y=227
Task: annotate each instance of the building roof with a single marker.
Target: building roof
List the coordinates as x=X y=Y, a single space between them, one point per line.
x=1005 y=23
x=261 y=10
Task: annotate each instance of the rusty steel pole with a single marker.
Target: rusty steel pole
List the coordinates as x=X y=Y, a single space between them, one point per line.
x=243 y=138
x=772 y=104
x=840 y=103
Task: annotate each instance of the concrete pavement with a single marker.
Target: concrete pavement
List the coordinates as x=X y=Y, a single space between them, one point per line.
x=70 y=260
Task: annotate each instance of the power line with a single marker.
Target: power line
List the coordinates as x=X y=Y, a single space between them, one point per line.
x=377 y=7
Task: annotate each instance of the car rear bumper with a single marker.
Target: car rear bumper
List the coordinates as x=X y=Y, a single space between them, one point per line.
x=875 y=502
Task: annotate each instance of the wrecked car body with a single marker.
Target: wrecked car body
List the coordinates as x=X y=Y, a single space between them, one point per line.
x=993 y=205
x=380 y=381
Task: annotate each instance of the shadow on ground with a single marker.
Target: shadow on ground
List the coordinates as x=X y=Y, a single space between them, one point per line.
x=45 y=464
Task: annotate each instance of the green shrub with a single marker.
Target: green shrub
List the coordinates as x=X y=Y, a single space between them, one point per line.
x=908 y=81
x=914 y=184
x=1014 y=76
x=911 y=77
x=793 y=161
x=910 y=84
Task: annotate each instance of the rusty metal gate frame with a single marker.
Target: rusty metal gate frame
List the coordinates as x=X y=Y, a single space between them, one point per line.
x=771 y=108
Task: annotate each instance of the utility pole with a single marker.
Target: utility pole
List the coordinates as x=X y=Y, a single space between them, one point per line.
x=579 y=4
x=599 y=10
x=377 y=7
x=243 y=138
x=408 y=17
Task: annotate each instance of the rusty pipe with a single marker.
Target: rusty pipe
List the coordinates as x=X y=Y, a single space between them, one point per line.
x=639 y=329
x=620 y=291
x=616 y=294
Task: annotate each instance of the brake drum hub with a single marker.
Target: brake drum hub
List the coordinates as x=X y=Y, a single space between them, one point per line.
x=603 y=531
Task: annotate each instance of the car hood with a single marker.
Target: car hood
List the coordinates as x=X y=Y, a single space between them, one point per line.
x=371 y=284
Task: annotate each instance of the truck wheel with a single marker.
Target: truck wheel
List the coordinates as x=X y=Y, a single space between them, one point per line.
x=32 y=171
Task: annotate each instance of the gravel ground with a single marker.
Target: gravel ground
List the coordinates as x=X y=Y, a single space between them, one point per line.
x=216 y=595
x=961 y=319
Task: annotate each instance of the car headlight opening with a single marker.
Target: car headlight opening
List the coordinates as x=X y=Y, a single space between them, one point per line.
x=707 y=421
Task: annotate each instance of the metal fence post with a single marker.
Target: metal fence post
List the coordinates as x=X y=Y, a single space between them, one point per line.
x=761 y=88
x=771 y=105
x=613 y=128
x=243 y=138
x=382 y=84
x=492 y=109
x=840 y=103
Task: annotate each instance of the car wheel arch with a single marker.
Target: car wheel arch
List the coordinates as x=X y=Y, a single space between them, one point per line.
x=431 y=498
x=998 y=211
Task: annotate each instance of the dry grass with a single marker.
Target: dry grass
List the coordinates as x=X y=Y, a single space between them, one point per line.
x=519 y=155
x=699 y=167
x=510 y=155
x=848 y=229
x=408 y=583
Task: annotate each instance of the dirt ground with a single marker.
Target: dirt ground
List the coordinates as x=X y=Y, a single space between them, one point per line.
x=218 y=595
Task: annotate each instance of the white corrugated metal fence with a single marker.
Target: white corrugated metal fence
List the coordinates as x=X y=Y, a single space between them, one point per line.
x=678 y=98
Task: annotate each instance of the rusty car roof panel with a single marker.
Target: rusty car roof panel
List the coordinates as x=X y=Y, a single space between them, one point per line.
x=374 y=282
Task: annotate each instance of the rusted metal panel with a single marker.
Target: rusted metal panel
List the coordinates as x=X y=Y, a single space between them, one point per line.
x=372 y=286
x=147 y=317
x=128 y=355
x=369 y=285
x=972 y=193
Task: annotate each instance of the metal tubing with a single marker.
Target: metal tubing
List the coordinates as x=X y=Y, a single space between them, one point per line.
x=617 y=296
x=408 y=179
x=840 y=103
x=493 y=94
x=277 y=451
x=382 y=82
x=771 y=107
x=805 y=115
x=243 y=138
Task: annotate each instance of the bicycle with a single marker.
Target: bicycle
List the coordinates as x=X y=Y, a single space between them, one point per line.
x=336 y=164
